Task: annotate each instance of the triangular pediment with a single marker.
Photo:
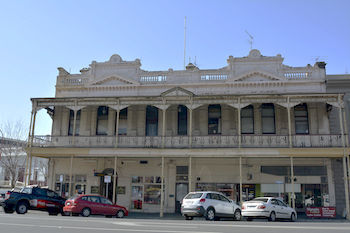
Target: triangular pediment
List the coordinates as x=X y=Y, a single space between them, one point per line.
x=177 y=91
x=256 y=76
x=114 y=81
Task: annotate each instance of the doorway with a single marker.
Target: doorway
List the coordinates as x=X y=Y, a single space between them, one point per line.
x=106 y=189
x=181 y=191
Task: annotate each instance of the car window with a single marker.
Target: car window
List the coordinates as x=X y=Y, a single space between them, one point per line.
x=27 y=190
x=222 y=198
x=260 y=199
x=281 y=203
x=94 y=199
x=215 y=196
x=40 y=192
x=85 y=198
x=193 y=195
x=106 y=201
x=51 y=193
x=208 y=196
x=274 y=202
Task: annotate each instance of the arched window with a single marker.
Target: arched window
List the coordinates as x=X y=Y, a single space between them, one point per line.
x=102 y=120
x=123 y=121
x=268 y=118
x=247 y=120
x=151 y=121
x=182 y=120
x=71 y=123
x=214 y=119
x=301 y=119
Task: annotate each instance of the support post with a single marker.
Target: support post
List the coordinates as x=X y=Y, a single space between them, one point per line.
x=115 y=179
x=70 y=175
x=346 y=186
x=292 y=181
x=117 y=128
x=163 y=127
x=30 y=149
x=240 y=182
x=162 y=191
x=27 y=159
x=190 y=129
x=239 y=123
x=289 y=125
x=190 y=174
x=74 y=125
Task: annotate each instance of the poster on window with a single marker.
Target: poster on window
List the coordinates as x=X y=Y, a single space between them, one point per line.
x=320 y=212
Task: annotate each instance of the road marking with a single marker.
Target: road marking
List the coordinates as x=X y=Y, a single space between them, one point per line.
x=102 y=229
x=152 y=224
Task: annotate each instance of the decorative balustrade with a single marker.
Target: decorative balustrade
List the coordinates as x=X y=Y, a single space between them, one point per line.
x=297 y=75
x=214 y=77
x=156 y=78
x=73 y=81
x=211 y=141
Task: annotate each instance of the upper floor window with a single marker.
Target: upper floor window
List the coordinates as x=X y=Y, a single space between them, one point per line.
x=151 y=121
x=301 y=119
x=214 y=119
x=71 y=123
x=123 y=121
x=268 y=119
x=102 y=120
x=182 y=120
x=247 y=120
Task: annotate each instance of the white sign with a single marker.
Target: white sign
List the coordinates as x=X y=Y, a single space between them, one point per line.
x=61 y=178
x=107 y=179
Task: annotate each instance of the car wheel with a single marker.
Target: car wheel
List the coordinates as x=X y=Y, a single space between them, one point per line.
x=8 y=210
x=210 y=214
x=237 y=215
x=292 y=217
x=120 y=214
x=272 y=217
x=86 y=212
x=188 y=217
x=21 y=208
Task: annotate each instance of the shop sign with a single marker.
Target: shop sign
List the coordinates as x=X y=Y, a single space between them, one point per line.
x=320 y=212
x=107 y=179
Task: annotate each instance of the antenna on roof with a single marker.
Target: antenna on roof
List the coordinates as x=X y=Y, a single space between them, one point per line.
x=251 y=40
x=185 y=44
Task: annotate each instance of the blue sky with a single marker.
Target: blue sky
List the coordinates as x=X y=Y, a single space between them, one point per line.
x=36 y=37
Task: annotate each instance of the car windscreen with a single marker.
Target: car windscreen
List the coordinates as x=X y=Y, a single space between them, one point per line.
x=193 y=195
x=260 y=199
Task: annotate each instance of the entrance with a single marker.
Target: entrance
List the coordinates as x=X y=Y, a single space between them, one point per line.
x=181 y=190
x=136 y=197
x=106 y=189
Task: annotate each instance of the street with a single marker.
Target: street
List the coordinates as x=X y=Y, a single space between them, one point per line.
x=37 y=222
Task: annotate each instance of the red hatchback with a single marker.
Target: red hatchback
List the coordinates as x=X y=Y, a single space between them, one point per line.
x=93 y=204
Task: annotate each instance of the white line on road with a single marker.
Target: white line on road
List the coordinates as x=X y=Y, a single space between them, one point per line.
x=101 y=229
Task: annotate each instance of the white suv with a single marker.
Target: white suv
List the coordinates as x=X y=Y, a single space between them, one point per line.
x=211 y=205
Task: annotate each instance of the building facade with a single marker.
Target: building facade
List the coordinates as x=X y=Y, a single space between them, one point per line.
x=145 y=138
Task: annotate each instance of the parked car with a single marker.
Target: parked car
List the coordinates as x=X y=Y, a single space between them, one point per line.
x=209 y=204
x=33 y=198
x=87 y=205
x=268 y=207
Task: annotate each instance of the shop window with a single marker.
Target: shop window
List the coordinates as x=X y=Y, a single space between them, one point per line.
x=214 y=119
x=301 y=119
x=151 y=121
x=102 y=120
x=182 y=120
x=268 y=119
x=123 y=121
x=137 y=179
x=152 y=194
x=71 y=123
x=149 y=179
x=80 y=178
x=247 y=120
x=181 y=173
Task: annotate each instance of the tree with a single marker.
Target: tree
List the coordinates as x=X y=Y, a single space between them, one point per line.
x=12 y=149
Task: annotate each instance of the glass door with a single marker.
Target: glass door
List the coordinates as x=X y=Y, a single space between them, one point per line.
x=181 y=191
x=136 y=197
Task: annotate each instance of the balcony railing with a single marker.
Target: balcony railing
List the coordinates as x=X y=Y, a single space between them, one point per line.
x=212 y=141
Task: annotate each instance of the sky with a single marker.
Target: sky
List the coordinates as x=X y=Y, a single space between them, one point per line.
x=38 y=36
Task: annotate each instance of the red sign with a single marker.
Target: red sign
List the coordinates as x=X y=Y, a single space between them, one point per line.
x=320 y=212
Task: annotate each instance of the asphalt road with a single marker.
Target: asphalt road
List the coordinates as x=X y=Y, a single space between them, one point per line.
x=41 y=222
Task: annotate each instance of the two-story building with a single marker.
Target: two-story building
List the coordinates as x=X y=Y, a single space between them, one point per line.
x=255 y=127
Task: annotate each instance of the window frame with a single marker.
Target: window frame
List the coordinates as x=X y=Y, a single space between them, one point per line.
x=71 y=123
x=98 y=119
x=218 y=124
x=296 y=120
x=250 y=108
x=180 y=119
x=267 y=106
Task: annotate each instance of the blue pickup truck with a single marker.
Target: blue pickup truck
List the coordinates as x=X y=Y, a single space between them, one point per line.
x=33 y=198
